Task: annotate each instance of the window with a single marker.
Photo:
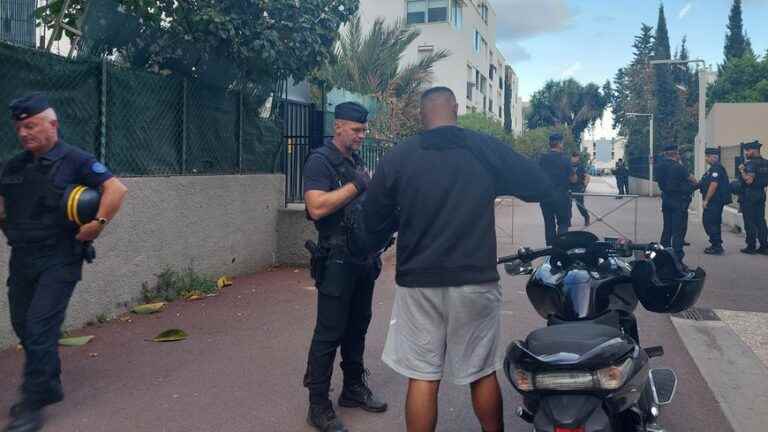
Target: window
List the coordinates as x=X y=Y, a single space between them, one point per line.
x=484 y=12
x=501 y=113
x=483 y=85
x=438 y=10
x=456 y=14
x=491 y=72
x=423 y=11
x=477 y=41
x=417 y=11
x=477 y=79
x=490 y=106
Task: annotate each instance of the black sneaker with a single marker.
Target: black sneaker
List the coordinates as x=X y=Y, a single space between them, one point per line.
x=324 y=419
x=714 y=250
x=749 y=251
x=762 y=250
x=28 y=420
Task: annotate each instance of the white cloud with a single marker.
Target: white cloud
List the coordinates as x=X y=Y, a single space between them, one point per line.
x=571 y=70
x=515 y=52
x=685 y=10
x=521 y=19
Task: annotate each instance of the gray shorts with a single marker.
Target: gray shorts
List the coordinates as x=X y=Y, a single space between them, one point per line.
x=445 y=332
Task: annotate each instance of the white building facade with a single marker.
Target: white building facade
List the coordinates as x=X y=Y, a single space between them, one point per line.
x=476 y=69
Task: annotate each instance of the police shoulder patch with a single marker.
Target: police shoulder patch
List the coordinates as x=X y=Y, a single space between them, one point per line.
x=714 y=174
x=98 y=168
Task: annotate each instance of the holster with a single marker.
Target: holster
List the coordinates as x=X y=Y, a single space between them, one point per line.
x=318 y=257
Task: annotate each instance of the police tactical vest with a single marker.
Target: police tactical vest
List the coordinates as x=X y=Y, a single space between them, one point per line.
x=32 y=203
x=334 y=229
x=755 y=193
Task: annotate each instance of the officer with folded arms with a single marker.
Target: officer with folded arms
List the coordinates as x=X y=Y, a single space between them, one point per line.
x=50 y=212
x=335 y=181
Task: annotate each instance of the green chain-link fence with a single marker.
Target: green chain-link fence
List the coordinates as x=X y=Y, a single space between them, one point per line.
x=139 y=123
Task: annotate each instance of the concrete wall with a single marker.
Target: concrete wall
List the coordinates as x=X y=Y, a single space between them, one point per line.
x=218 y=224
x=638 y=186
x=294 y=229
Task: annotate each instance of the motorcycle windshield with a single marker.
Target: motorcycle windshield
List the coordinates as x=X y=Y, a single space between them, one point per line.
x=577 y=289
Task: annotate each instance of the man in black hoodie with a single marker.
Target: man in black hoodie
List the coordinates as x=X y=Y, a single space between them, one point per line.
x=441 y=187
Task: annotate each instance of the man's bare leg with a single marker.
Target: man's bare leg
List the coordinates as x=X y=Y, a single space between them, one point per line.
x=421 y=406
x=486 y=399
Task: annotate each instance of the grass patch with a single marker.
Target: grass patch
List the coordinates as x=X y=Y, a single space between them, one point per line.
x=173 y=285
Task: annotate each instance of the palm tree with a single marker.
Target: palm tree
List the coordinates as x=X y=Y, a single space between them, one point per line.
x=370 y=64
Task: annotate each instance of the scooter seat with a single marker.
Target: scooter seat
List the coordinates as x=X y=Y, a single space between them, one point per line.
x=573 y=338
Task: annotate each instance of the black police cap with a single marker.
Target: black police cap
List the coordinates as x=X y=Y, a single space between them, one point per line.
x=712 y=151
x=29 y=105
x=555 y=137
x=754 y=145
x=351 y=111
x=670 y=148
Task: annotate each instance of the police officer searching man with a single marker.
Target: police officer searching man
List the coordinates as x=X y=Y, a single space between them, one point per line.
x=754 y=177
x=715 y=193
x=47 y=253
x=335 y=180
x=675 y=185
x=556 y=211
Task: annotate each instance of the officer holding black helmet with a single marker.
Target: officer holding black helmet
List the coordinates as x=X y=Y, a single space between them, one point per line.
x=754 y=178
x=556 y=211
x=335 y=181
x=45 y=193
x=715 y=193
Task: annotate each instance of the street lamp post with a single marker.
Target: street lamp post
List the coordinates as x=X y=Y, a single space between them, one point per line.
x=650 y=152
x=701 y=141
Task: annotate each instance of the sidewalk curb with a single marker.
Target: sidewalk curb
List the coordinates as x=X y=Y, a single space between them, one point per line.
x=736 y=376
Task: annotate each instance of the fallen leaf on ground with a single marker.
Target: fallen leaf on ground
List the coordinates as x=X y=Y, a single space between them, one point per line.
x=75 y=341
x=171 y=335
x=224 y=281
x=149 y=308
x=197 y=295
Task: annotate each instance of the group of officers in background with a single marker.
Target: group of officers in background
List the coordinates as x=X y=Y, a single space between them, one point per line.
x=678 y=186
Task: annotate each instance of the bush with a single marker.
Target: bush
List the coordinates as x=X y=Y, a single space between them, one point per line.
x=172 y=285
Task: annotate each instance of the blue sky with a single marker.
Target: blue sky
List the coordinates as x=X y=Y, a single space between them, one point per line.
x=590 y=39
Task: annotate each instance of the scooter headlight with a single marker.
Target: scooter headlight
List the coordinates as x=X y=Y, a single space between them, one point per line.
x=610 y=378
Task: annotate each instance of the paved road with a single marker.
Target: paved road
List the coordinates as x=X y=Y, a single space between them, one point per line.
x=240 y=369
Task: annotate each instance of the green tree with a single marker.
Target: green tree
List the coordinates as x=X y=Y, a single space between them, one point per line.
x=370 y=64
x=745 y=79
x=667 y=100
x=686 y=123
x=534 y=142
x=567 y=103
x=226 y=42
x=737 y=44
x=480 y=122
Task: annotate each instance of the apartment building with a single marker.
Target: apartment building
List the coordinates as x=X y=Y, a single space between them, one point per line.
x=476 y=69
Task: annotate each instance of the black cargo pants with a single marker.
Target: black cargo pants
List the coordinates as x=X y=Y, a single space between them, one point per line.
x=40 y=285
x=344 y=311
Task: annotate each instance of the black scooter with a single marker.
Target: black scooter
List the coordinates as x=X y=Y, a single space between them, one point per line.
x=586 y=371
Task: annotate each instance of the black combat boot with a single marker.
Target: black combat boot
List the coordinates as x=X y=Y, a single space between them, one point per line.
x=749 y=250
x=356 y=394
x=26 y=418
x=714 y=250
x=323 y=418
x=762 y=250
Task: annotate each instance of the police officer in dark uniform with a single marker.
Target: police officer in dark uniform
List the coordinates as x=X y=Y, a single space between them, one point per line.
x=675 y=186
x=715 y=193
x=335 y=182
x=556 y=211
x=46 y=252
x=622 y=178
x=754 y=177
x=579 y=183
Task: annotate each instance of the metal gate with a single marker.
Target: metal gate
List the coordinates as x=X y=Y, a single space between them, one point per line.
x=302 y=132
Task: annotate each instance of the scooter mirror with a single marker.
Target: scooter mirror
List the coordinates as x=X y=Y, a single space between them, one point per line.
x=517 y=268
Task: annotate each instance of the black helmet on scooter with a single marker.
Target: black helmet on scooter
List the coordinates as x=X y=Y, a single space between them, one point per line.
x=664 y=286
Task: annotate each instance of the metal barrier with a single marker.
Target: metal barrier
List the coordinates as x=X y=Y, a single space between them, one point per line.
x=633 y=199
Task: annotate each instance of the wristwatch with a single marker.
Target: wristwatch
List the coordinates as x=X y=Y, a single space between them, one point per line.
x=102 y=221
